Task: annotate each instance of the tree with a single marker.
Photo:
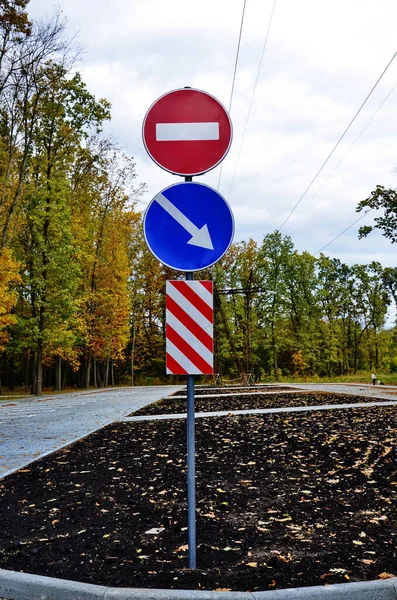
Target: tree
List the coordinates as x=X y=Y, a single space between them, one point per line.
x=384 y=199
x=27 y=84
x=65 y=113
x=9 y=277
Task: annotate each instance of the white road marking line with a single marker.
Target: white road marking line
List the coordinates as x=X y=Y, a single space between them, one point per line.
x=186 y=132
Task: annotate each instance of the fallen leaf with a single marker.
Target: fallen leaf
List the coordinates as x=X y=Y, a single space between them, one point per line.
x=341 y=570
x=182 y=548
x=386 y=575
x=155 y=530
x=252 y=564
x=367 y=561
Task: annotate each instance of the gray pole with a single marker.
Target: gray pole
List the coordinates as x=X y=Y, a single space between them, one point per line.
x=191 y=462
x=191 y=470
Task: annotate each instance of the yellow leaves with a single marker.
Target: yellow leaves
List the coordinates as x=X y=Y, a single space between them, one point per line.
x=282 y=558
x=386 y=575
x=284 y=520
x=252 y=564
x=367 y=561
x=9 y=277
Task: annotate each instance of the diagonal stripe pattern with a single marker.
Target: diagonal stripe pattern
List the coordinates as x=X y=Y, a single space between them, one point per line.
x=189 y=328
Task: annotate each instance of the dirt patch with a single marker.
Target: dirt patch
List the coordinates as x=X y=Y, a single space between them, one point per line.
x=282 y=501
x=255 y=401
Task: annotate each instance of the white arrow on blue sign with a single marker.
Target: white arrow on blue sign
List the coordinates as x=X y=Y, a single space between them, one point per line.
x=188 y=226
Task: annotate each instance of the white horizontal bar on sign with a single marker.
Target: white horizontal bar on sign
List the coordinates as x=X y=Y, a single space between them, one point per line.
x=186 y=132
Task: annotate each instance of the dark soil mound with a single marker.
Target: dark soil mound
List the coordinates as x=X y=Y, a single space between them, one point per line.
x=282 y=501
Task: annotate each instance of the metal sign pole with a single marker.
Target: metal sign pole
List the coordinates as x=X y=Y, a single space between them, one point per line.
x=191 y=467
x=191 y=461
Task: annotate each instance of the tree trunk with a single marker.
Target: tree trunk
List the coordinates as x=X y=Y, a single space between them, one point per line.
x=88 y=372
x=34 y=374
x=39 y=369
x=106 y=373
x=99 y=377
x=64 y=377
x=11 y=375
x=132 y=352
x=27 y=371
x=58 y=374
x=112 y=372
x=274 y=352
x=94 y=372
x=355 y=352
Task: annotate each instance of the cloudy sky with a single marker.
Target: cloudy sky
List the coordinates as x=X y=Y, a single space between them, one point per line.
x=321 y=60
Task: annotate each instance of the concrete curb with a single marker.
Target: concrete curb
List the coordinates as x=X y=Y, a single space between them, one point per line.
x=23 y=586
x=260 y=411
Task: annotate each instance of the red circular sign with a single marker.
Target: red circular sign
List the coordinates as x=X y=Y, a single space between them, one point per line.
x=187 y=132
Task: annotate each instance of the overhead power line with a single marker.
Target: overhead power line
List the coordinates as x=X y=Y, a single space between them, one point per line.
x=252 y=97
x=234 y=74
x=344 y=231
x=344 y=156
x=339 y=140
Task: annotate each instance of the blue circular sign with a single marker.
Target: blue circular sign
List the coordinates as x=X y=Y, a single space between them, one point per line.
x=188 y=226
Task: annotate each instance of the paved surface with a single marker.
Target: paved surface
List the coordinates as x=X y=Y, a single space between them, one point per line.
x=262 y=411
x=355 y=389
x=31 y=428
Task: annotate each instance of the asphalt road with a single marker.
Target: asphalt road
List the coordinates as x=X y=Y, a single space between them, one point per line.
x=30 y=428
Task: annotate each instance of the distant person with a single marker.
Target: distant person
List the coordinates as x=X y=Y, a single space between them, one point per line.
x=373 y=377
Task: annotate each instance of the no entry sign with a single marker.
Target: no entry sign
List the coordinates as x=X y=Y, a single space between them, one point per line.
x=187 y=132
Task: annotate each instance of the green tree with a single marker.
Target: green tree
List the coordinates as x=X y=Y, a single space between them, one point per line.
x=384 y=199
x=66 y=112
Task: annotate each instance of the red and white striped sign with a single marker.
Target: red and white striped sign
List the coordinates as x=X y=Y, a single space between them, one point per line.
x=189 y=328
